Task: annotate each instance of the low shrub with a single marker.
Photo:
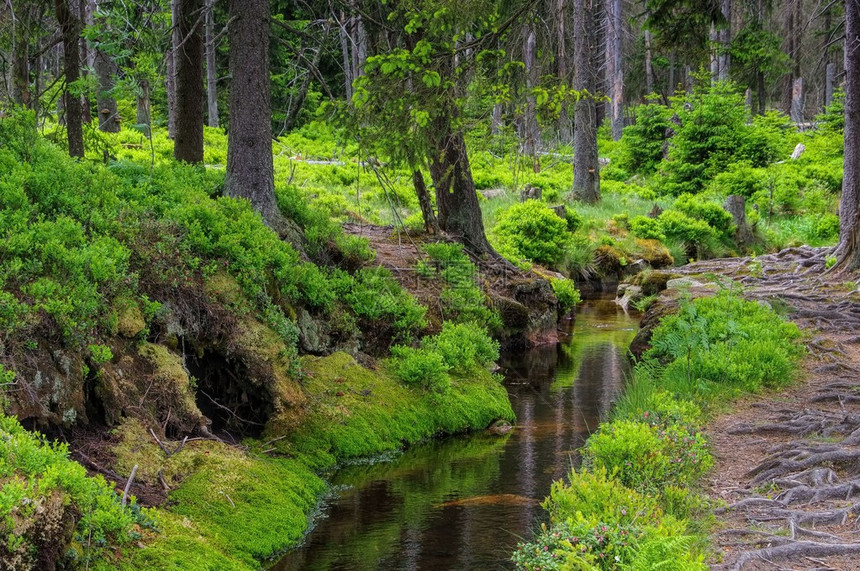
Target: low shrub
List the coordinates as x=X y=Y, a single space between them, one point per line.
x=532 y=231
x=647 y=228
x=567 y=294
x=459 y=348
x=645 y=457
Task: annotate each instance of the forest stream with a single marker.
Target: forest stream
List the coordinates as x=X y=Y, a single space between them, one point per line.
x=464 y=502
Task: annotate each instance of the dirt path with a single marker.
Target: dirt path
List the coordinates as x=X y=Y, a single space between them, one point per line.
x=788 y=464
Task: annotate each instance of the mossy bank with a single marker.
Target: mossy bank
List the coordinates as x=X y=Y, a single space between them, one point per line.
x=165 y=331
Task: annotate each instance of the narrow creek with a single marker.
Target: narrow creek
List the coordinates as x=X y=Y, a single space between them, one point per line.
x=464 y=502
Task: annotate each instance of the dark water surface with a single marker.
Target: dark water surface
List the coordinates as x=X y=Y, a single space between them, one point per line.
x=464 y=502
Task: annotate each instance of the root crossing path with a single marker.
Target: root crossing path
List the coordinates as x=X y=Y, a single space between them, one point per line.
x=788 y=464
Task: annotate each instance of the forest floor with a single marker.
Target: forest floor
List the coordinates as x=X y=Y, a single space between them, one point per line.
x=788 y=463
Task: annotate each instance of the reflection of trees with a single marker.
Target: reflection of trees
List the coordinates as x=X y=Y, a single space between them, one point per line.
x=395 y=516
x=599 y=381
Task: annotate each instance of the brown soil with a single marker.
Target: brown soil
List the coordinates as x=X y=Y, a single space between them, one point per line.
x=788 y=464
x=505 y=285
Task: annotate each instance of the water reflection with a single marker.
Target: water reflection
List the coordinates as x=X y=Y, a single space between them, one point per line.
x=463 y=503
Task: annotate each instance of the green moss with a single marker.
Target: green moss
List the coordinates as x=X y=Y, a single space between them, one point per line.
x=358 y=412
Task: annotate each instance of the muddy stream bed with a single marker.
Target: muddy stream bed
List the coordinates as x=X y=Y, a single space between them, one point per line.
x=464 y=502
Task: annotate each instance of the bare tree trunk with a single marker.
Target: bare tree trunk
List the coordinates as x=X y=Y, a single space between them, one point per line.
x=348 y=75
x=188 y=142
x=456 y=198
x=105 y=68
x=21 y=60
x=358 y=41
x=144 y=116
x=431 y=224
x=530 y=132
x=614 y=70
x=848 y=250
x=829 y=82
x=564 y=131
x=713 y=38
x=250 y=171
x=649 y=67
x=70 y=27
x=85 y=13
x=211 y=76
x=725 y=37
x=586 y=178
x=497 y=124
x=171 y=69
x=797 y=100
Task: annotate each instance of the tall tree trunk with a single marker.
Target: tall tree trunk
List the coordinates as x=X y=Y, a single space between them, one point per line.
x=530 y=131
x=649 y=67
x=614 y=70
x=175 y=39
x=431 y=224
x=105 y=68
x=85 y=12
x=829 y=82
x=348 y=75
x=188 y=144
x=144 y=116
x=586 y=178
x=211 y=76
x=848 y=250
x=250 y=172
x=456 y=198
x=564 y=131
x=70 y=28
x=21 y=60
x=725 y=37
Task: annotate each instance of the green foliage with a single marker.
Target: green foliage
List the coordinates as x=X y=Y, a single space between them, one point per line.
x=375 y=296
x=647 y=228
x=460 y=348
x=725 y=341
x=642 y=144
x=645 y=457
x=532 y=231
x=462 y=298
x=567 y=294
x=713 y=134
x=32 y=470
x=676 y=224
x=710 y=212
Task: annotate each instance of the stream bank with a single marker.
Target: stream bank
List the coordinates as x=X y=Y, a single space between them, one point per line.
x=464 y=502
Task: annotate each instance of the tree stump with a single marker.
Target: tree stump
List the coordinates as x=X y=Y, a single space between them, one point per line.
x=736 y=206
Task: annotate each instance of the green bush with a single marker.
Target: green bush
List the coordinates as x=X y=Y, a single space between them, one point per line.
x=459 y=348
x=463 y=299
x=31 y=470
x=738 y=178
x=676 y=224
x=567 y=294
x=827 y=227
x=642 y=143
x=647 y=228
x=645 y=457
x=532 y=231
x=710 y=212
x=421 y=368
x=725 y=341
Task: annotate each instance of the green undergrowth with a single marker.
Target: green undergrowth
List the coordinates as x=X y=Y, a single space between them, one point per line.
x=234 y=507
x=634 y=503
x=359 y=412
x=51 y=509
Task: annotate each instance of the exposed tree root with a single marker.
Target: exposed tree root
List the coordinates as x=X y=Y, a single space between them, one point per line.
x=794 y=551
x=790 y=466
